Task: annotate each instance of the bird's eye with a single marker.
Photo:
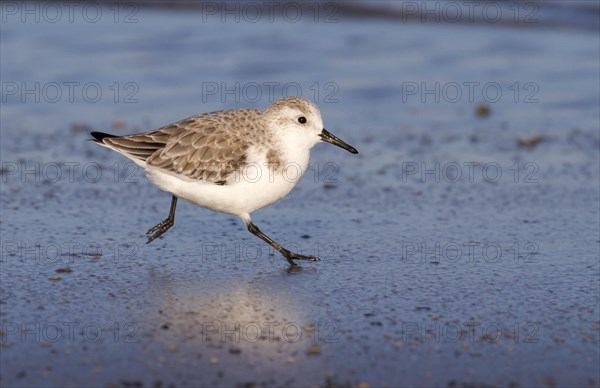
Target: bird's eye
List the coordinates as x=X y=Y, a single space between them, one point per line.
x=302 y=120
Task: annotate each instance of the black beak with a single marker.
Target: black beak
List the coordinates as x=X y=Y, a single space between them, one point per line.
x=329 y=138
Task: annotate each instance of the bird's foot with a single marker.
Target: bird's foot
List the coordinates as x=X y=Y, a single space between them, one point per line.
x=290 y=256
x=159 y=230
x=157 y=227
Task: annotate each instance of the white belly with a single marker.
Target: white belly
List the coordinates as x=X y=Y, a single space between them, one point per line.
x=257 y=186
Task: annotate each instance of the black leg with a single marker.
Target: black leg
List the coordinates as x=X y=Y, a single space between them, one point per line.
x=290 y=256
x=162 y=227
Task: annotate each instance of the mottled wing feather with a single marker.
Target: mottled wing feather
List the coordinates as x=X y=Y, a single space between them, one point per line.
x=138 y=146
x=202 y=147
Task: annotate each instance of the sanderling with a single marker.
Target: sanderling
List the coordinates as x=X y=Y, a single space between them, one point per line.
x=229 y=161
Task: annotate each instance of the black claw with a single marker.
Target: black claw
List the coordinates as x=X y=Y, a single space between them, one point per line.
x=157 y=227
x=295 y=256
x=161 y=230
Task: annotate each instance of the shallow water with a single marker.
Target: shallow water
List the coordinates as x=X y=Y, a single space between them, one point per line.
x=451 y=253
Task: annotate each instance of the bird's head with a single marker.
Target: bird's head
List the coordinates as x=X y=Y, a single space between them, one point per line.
x=298 y=119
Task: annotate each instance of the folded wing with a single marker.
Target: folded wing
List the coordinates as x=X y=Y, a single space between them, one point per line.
x=202 y=147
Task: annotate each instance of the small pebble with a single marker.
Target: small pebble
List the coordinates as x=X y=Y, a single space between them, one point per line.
x=309 y=328
x=483 y=110
x=531 y=142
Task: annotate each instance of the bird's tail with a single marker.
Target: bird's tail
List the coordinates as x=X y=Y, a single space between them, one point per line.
x=100 y=136
x=136 y=147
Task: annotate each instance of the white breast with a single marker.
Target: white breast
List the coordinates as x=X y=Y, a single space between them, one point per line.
x=257 y=185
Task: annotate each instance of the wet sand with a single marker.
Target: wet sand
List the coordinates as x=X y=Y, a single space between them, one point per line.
x=459 y=248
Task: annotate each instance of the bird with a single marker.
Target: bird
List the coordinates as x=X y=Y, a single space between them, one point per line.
x=229 y=161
